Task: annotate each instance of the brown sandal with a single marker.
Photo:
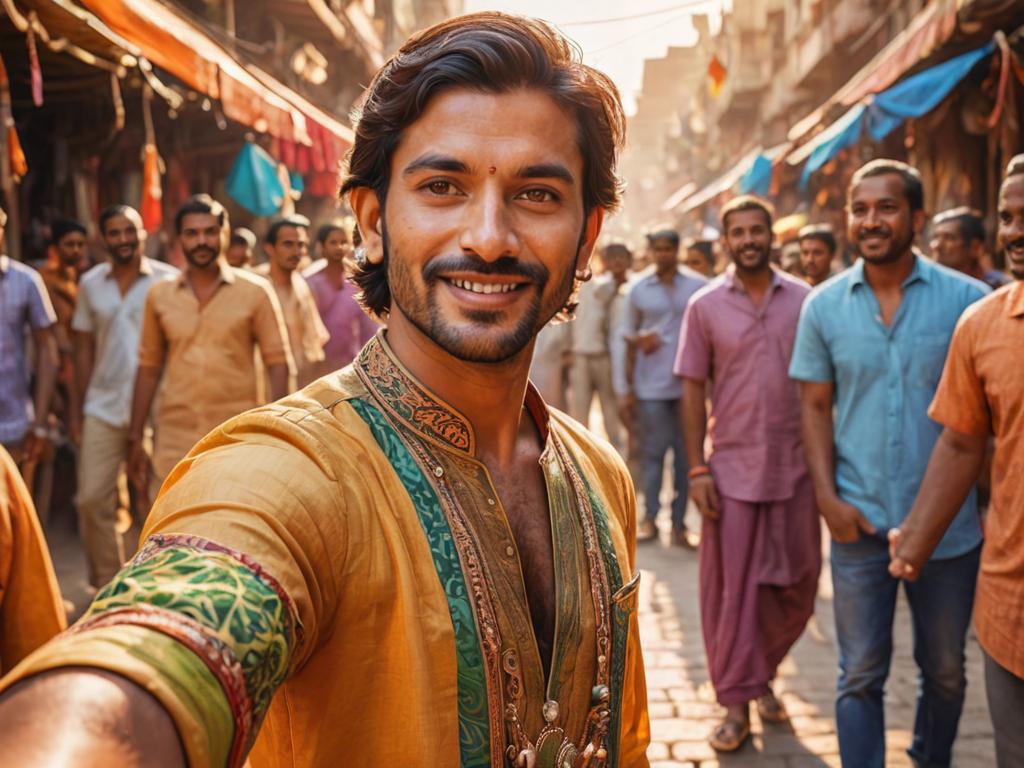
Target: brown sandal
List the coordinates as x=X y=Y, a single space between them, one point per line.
x=771 y=709
x=729 y=735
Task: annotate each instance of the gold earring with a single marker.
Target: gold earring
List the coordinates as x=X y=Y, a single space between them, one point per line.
x=583 y=275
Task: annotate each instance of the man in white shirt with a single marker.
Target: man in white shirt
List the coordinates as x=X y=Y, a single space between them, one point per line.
x=107 y=323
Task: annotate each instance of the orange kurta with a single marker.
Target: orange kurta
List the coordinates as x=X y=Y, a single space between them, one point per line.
x=31 y=611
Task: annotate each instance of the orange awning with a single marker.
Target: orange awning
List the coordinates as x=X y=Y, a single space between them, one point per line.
x=247 y=95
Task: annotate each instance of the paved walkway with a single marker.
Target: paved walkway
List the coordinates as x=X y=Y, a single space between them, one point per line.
x=682 y=702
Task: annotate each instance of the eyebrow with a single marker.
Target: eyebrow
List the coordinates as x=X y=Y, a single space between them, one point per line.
x=547 y=171
x=435 y=162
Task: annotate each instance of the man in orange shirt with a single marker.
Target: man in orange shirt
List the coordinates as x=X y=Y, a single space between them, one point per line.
x=198 y=334
x=982 y=394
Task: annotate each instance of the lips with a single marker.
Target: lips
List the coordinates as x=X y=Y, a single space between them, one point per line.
x=485 y=288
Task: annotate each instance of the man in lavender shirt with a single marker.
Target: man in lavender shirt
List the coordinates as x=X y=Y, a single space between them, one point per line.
x=335 y=297
x=760 y=547
x=24 y=304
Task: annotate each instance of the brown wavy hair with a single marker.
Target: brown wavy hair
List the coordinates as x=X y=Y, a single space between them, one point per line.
x=494 y=53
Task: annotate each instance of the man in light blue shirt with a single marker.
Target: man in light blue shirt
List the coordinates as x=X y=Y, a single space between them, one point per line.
x=871 y=344
x=648 y=390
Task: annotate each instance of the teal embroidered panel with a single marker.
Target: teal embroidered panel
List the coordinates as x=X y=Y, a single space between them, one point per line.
x=474 y=731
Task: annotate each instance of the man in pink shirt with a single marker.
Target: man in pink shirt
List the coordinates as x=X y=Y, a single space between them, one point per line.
x=335 y=297
x=760 y=547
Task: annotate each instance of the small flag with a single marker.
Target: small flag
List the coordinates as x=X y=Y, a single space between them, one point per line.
x=716 y=75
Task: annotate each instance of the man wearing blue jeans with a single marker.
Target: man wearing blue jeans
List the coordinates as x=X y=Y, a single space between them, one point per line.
x=648 y=390
x=871 y=344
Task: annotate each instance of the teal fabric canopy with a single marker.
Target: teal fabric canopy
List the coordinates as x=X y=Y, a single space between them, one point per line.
x=253 y=182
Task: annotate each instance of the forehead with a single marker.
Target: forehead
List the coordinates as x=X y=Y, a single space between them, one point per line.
x=949 y=228
x=748 y=217
x=663 y=244
x=291 y=233
x=119 y=221
x=74 y=235
x=886 y=186
x=1011 y=194
x=199 y=221
x=505 y=130
x=813 y=244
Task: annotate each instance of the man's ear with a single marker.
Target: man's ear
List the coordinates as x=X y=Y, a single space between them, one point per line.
x=919 y=220
x=591 y=232
x=366 y=206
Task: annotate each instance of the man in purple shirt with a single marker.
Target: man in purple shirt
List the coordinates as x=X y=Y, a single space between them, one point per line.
x=24 y=304
x=760 y=546
x=335 y=297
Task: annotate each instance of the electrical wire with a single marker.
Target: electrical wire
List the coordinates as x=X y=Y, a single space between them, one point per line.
x=631 y=17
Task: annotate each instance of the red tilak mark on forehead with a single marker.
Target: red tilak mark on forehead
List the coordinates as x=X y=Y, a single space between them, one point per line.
x=492 y=170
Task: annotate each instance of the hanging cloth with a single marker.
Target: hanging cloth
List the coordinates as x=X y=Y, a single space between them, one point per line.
x=151 y=207
x=35 y=71
x=253 y=182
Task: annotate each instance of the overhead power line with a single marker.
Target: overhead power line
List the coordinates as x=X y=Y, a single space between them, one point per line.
x=630 y=17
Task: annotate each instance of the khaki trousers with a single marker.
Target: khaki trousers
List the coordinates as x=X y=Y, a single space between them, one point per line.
x=102 y=491
x=590 y=375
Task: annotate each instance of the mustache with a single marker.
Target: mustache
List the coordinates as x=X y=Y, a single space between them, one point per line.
x=199 y=249
x=880 y=231
x=1018 y=243
x=506 y=266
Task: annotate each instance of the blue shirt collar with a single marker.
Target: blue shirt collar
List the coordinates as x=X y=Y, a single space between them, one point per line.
x=922 y=270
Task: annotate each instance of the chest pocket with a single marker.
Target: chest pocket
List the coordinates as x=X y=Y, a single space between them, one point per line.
x=926 y=359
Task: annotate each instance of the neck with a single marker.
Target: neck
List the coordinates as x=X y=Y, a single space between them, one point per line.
x=755 y=281
x=489 y=395
x=891 y=274
x=666 y=274
x=280 y=276
x=204 y=275
x=120 y=268
x=335 y=270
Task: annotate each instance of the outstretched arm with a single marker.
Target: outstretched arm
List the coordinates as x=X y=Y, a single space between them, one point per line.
x=87 y=718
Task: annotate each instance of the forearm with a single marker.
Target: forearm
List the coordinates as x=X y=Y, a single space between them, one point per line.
x=819 y=448
x=46 y=374
x=694 y=420
x=86 y=718
x=84 y=355
x=954 y=467
x=146 y=380
x=278 y=376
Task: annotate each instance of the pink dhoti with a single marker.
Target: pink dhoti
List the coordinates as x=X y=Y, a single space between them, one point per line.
x=759 y=567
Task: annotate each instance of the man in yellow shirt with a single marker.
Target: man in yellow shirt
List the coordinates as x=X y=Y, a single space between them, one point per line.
x=412 y=562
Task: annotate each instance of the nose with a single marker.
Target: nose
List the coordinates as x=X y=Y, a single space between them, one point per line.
x=488 y=230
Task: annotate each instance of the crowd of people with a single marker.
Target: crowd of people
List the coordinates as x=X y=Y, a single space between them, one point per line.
x=134 y=360
x=375 y=527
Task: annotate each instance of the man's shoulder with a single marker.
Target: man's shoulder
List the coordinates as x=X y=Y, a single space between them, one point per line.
x=951 y=280
x=23 y=272
x=833 y=291
x=712 y=290
x=992 y=308
x=94 y=275
x=791 y=282
x=160 y=270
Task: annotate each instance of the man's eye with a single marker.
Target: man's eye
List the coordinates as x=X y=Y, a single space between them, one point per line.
x=539 y=195
x=439 y=187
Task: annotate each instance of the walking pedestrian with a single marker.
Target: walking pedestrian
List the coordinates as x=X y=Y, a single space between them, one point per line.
x=817 y=252
x=648 y=389
x=335 y=295
x=870 y=348
x=107 y=325
x=760 y=545
x=241 y=248
x=199 y=334
x=25 y=307
x=981 y=396
x=958 y=242
x=287 y=245
x=590 y=373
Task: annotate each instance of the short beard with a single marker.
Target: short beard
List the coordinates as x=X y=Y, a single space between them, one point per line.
x=763 y=262
x=189 y=257
x=463 y=343
x=119 y=259
x=894 y=254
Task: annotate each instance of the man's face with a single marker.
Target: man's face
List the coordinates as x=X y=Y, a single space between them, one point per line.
x=239 y=254
x=337 y=247
x=123 y=236
x=664 y=254
x=880 y=224
x=484 y=223
x=1010 y=235
x=748 y=239
x=202 y=239
x=291 y=245
x=698 y=262
x=815 y=259
x=616 y=263
x=71 y=249
x=949 y=247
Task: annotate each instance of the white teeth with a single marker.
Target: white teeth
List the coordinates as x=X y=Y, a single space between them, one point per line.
x=484 y=288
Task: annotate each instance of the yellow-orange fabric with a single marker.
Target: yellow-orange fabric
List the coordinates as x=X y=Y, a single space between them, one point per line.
x=207 y=355
x=31 y=611
x=306 y=331
x=982 y=393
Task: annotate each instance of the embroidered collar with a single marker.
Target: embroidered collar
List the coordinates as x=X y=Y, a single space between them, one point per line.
x=420 y=409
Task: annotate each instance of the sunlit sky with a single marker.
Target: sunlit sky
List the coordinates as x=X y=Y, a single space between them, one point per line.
x=618 y=47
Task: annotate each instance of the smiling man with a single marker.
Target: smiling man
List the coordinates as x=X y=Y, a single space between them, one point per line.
x=869 y=349
x=413 y=561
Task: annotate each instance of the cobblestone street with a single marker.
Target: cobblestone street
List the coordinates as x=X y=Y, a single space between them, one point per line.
x=682 y=702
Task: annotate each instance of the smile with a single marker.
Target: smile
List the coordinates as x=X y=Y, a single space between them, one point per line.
x=485 y=288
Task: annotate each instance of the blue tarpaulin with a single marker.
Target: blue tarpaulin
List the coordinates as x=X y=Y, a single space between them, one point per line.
x=758 y=178
x=881 y=115
x=253 y=181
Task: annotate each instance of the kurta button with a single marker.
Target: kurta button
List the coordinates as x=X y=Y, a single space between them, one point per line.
x=438 y=471
x=510 y=551
x=492 y=502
